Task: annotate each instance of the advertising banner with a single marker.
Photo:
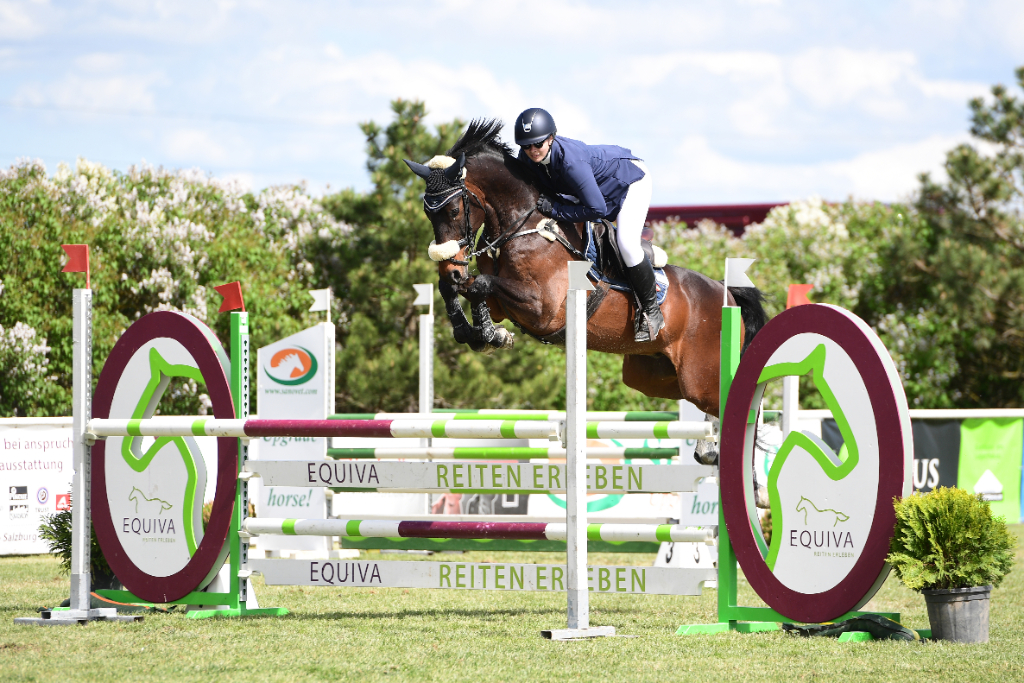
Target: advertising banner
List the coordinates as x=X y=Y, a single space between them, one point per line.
x=294 y=379
x=990 y=463
x=936 y=450
x=35 y=481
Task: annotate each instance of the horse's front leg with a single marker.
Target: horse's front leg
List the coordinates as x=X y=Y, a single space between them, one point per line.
x=461 y=329
x=494 y=336
x=519 y=300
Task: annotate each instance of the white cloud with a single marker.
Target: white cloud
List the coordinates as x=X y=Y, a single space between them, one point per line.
x=727 y=102
x=100 y=62
x=887 y=174
x=891 y=173
x=21 y=20
x=194 y=146
x=122 y=92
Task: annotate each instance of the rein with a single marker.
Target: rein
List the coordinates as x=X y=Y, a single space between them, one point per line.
x=502 y=239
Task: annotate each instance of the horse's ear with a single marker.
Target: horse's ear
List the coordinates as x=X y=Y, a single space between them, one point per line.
x=454 y=172
x=419 y=169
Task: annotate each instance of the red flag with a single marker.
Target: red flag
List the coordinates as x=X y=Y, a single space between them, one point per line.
x=78 y=260
x=798 y=295
x=232 y=293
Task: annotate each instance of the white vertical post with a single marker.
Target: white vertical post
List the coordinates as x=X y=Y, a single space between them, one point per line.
x=790 y=403
x=576 y=460
x=425 y=297
x=81 y=405
x=576 y=444
x=427 y=360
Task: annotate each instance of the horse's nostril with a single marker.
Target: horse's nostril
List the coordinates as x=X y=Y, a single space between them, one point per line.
x=456 y=276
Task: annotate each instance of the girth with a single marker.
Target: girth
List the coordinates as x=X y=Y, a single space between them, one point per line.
x=557 y=338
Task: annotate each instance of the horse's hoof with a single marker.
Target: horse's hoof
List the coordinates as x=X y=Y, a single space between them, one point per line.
x=706 y=457
x=506 y=340
x=761 y=497
x=502 y=339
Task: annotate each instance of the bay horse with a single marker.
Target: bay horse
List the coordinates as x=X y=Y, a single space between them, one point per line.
x=521 y=258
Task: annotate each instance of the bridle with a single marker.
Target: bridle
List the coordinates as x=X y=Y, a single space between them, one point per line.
x=433 y=204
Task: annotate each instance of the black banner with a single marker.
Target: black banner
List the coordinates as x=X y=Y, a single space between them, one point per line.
x=936 y=450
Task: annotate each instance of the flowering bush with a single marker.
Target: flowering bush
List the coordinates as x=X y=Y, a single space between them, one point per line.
x=159 y=240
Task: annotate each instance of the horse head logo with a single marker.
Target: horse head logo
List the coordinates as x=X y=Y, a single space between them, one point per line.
x=291 y=366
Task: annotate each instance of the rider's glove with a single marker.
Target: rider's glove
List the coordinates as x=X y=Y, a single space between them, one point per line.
x=544 y=206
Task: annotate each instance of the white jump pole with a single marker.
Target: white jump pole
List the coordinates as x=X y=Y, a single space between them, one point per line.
x=425 y=297
x=80 y=605
x=576 y=459
x=81 y=406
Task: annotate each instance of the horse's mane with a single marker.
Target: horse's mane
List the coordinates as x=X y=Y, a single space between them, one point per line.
x=481 y=137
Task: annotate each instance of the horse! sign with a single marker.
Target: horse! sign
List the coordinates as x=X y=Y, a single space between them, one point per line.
x=832 y=513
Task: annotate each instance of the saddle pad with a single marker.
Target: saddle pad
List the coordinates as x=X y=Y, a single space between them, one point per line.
x=660 y=278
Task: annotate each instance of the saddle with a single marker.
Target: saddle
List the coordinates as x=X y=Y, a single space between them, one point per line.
x=601 y=247
x=609 y=263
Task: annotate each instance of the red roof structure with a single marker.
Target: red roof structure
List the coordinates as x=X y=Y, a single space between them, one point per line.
x=736 y=217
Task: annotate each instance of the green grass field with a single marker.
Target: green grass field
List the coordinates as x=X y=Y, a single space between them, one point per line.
x=395 y=634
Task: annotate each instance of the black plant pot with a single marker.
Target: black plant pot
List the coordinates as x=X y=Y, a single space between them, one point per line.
x=959 y=614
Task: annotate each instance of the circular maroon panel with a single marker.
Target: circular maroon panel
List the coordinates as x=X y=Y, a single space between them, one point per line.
x=847 y=594
x=166 y=588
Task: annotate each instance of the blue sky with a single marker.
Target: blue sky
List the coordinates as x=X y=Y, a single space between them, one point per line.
x=727 y=102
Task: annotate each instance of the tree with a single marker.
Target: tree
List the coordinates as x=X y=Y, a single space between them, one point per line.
x=970 y=257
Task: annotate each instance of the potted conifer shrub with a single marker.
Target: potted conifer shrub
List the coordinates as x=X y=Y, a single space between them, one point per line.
x=948 y=546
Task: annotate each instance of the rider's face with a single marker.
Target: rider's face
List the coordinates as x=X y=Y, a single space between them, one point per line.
x=537 y=154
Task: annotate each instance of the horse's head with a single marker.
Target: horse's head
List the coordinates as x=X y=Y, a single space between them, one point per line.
x=455 y=211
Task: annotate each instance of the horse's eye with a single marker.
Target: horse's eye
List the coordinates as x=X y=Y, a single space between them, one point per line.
x=454 y=211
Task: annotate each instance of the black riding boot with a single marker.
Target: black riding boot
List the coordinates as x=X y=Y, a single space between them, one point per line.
x=648 y=320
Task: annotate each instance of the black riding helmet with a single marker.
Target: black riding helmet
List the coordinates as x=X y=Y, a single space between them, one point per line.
x=533 y=126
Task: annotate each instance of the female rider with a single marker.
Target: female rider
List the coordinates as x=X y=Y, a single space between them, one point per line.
x=607 y=182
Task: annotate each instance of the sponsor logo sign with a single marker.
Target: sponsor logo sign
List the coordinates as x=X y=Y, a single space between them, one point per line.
x=294 y=381
x=291 y=366
x=35 y=460
x=832 y=514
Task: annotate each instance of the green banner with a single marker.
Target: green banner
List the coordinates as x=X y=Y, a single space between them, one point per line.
x=990 y=463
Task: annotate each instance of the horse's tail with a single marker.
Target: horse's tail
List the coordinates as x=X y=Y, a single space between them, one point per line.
x=751 y=302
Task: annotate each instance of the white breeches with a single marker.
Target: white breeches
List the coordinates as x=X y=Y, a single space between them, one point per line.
x=632 y=216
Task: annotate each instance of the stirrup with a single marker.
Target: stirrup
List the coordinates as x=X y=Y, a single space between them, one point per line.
x=647 y=324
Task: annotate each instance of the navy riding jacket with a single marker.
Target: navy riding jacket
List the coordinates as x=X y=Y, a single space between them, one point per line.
x=597 y=175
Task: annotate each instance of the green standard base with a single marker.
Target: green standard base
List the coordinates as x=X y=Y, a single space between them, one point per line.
x=722 y=627
x=861 y=636
x=758 y=626
x=201 y=599
x=237 y=612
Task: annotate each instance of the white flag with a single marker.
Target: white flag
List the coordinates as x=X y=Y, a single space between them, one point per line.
x=321 y=299
x=736 y=272
x=424 y=295
x=578 y=275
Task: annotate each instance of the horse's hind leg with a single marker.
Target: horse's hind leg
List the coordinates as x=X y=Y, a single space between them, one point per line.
x=706 y=453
